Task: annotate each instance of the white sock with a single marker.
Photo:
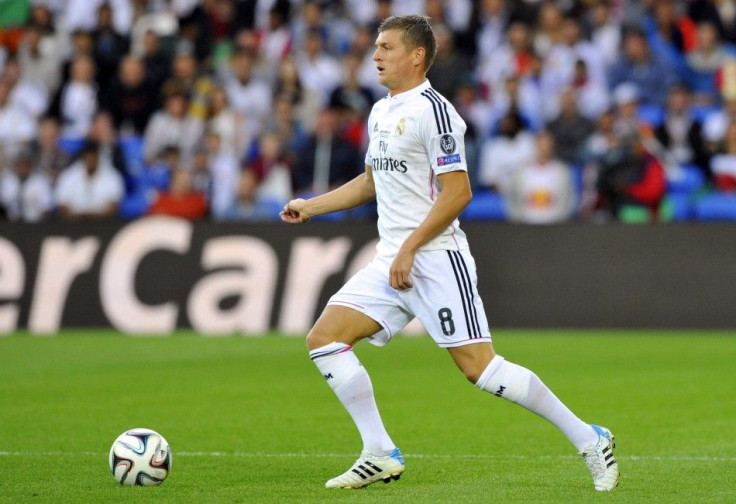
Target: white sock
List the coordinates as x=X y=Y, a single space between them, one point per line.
x=350 y=381
x=519 y=385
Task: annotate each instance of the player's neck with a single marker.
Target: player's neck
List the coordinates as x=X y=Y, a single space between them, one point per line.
x=408 y=85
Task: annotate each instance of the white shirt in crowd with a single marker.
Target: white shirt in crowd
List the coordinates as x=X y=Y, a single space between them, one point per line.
x=321 y=74
x=164 y=130
x=82 y=194
x=78 y=107
x=26 y=200
x=16 y=128
x=252 y=100
x=723 y=165
x=541 y=194
x=501 y=157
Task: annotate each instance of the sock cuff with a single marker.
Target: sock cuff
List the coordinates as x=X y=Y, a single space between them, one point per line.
x=333 y=348
x=489 y=371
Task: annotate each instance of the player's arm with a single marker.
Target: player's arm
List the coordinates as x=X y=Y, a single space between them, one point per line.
x=452 y=199
x=358 y=191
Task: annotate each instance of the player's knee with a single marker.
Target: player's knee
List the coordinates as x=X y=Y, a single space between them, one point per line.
x=317 y=338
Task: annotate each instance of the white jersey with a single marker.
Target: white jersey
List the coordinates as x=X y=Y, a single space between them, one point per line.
x=414 y=136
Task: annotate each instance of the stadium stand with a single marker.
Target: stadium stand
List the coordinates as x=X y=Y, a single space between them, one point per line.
x=247 y=70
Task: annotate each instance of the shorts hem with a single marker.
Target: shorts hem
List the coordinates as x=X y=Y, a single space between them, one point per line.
x=374 y=339
x=472 y=341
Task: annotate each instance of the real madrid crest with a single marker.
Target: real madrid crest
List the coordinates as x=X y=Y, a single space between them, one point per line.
x=400 y=127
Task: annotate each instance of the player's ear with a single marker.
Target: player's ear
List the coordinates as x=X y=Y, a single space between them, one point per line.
x=420 y=54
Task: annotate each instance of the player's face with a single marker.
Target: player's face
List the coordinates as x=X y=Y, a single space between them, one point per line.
x=394 y=62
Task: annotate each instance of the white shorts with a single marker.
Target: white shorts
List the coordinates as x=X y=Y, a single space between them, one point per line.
x=444 y=298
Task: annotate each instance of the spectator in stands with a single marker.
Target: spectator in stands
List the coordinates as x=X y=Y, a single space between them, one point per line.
x=630 y=180
x=46 y=156
x=103 y=133
x=25 y=193
x=705 y=63
x=596 y=147
x=626 y=98
x=570 y=130
x=109 y=47
x=717 y=122
x=670 y=35
x=606 y=32
x=559 y=64
x=187 y=81
x=17 y=127
x=493 y=20
x=542 y=192
x=82 y=45
x=720 y=13
x=306 y=101
x=25 y=94
x=326 y=160
x=180 y=200
x=476 y=111
x=318 y=70
x=248 y=95
x=548 y=30
x=76 y=103
x=450 y=65
x=131 y=98
x=509 y=59
x=90 y=188
x=155 y=60
x=42 y=18
x=83 y=14
x=277 y=41
x=201 y=175
x=40 y=59
x=225 y=178
x=524 y=96
x=592 y=99
x=363 y=44
x=351 y=92
x=265 y=183
x=290 y=130
x=679 y=133
x=231 y=126
x=500 y=157
x=723 y=164
x=652 y=76
x=156 y=176
x=172 y=126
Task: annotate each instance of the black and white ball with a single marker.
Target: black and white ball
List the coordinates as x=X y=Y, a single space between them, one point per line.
x=140 y=457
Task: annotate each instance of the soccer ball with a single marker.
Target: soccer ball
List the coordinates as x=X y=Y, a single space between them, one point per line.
x=140 y=457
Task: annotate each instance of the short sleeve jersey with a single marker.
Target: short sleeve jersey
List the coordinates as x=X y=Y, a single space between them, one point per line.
x=414 y=137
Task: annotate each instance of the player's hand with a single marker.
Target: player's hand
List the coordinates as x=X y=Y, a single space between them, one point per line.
x=400 y=269
x=295 y=212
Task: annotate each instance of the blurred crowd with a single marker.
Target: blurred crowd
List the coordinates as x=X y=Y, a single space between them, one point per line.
x=224 y=109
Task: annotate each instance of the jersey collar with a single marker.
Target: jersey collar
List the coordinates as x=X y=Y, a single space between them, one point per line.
x=411 y=93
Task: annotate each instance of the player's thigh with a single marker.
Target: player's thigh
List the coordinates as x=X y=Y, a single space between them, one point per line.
x=365 y=307
x=342 y=325
x=445 y=298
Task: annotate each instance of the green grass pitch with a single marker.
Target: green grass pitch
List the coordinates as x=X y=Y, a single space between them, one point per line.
x=250 y=419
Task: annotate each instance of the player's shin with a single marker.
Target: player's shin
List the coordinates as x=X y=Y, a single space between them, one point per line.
x=348 y=378
x=521 y=386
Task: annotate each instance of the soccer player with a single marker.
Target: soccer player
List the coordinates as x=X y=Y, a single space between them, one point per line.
x=416 y=171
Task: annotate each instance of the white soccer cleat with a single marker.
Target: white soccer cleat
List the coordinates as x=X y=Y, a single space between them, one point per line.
x=369 y=469
x=601 y=463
